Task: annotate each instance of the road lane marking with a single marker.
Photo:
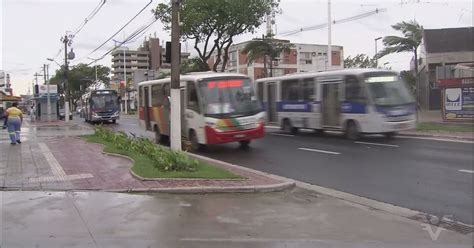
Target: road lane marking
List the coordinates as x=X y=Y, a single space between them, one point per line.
x=272 y=127
x=282 y=134
x=375 y=144
x=321 y=151
x=467 y=171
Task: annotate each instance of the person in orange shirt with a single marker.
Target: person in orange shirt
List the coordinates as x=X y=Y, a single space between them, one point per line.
x=15 y=118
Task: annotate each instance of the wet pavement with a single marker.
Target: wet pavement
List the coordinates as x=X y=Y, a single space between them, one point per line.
x=295 y=218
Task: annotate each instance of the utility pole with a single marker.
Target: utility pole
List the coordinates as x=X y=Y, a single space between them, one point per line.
x=376 y=57
x=175 y=79
x=329 y=36
x=46 y=80
x=125 y=80
x=67 y=41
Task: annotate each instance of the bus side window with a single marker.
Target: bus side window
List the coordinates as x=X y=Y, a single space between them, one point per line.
x=354 y=91
x=260 y=91
x=142 y=96
x=156 y=96
x=192 y=97
x=308 y=89
x=290 y=90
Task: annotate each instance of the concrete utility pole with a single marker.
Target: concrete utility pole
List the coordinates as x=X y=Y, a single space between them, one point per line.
x=175 y=89
x=46 y=80
x=376 y=57
x=125 y=80
x=66 y=41
x=329 y=53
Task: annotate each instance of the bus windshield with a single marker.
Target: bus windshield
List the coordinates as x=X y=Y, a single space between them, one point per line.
x=104 y=102
x=388 y=90
x=225 y=98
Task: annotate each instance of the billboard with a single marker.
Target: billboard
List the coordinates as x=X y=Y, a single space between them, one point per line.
x=53 y=89
x=459 y=103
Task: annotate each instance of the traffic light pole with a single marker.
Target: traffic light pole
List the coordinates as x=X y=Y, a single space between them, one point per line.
x=175 y=80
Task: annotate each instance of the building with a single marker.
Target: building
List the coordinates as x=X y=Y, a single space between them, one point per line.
x=134 y=60
x=440 y=47
x=301 y=58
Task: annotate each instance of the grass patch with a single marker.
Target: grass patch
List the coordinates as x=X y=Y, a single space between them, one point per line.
x=143 y=165
x=444 y=127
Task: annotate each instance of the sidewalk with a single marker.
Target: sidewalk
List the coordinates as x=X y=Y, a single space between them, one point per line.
x=51 y=157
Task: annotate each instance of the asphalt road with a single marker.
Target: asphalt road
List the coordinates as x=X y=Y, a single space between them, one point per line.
x=431 y=176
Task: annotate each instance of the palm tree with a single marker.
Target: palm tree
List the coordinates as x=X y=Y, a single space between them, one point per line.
x=412 y=34
x=268 y=48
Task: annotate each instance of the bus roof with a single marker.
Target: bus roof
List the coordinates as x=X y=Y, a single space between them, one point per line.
x=194 y=77
x=342 y=72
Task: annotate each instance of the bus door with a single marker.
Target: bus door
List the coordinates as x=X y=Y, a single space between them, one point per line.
x=183 y=111
x=331 y=105
x=272 y=115
x=146 y=107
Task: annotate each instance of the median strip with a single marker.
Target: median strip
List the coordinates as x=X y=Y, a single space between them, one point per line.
x=320 y=151
x=282 y=134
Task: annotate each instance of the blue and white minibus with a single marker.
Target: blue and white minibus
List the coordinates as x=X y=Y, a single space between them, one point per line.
x=355 y=101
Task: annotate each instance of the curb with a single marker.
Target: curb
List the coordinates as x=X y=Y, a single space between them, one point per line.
x=427 y=135
x=284 y=185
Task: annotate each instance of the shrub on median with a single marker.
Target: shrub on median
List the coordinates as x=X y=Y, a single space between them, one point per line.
x=163 y=158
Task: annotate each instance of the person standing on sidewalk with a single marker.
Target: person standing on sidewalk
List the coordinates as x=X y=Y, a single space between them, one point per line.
x=15 y=118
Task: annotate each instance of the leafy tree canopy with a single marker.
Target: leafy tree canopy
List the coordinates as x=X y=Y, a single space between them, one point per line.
x=360 y=61
x=214 y=23
x=80 y=77
x=267 y=48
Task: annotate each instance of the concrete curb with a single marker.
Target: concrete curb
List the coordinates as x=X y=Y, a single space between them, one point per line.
x=284 y=185
x=437 y=136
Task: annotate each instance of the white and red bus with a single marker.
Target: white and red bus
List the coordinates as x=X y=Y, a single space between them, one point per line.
x=216 y=108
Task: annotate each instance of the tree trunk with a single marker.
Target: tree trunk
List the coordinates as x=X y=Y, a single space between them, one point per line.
x=226 y=55
x=271 y=66
x=264 y=66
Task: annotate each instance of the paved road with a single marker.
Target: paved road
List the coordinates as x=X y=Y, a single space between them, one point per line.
x=425 y=175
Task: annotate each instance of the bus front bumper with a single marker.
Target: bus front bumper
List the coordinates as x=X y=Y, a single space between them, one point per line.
x=399 y=126
x=214 y=137
x=105 y=118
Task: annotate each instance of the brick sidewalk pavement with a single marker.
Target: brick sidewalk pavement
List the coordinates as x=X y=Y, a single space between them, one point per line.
x=51 y=158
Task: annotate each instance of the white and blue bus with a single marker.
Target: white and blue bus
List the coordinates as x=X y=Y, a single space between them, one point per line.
x=355 y=101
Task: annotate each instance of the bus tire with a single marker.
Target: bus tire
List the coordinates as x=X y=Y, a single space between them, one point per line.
x=114 y=121
x=352 y=131
x=195 y=145
x=158 y=136
x=244 y=143
x=390 y=135
x=288 y=128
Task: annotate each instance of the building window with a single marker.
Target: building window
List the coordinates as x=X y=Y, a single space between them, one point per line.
x=308 y=62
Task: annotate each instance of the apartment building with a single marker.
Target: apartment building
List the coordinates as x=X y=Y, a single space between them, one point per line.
x=301 y=58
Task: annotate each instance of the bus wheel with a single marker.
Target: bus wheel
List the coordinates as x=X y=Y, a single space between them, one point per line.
x=114 y=121
x=319 y=132
x=244 y=143
x=195 y=146
x=390 y=135
x=288 y=128
x=158 y=136
x=352 y=132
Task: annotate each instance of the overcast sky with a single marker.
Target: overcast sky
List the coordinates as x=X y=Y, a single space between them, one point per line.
x=30 y=29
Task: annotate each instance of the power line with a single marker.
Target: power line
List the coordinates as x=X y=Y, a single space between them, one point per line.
x=344 y=20
x=118 y=31
x=131 y=38
x=89 y=17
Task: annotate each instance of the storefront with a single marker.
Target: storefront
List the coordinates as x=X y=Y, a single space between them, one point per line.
x=458 y=99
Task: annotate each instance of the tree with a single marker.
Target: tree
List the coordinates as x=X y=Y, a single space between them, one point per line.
x=411 y=40
x=268 y=49
x=80 y=78
x=360 y=61
x=213 y=24
x=192 y=65
x=410 y=79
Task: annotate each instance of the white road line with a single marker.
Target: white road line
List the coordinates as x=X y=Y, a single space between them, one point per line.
x=272 y=127
x=321 y=151
x=467 y=171
x=375 y=144
x=282 y=134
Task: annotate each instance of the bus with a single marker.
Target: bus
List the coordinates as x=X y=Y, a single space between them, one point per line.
x=355 y=101
x=100 y=106
x=216 y=108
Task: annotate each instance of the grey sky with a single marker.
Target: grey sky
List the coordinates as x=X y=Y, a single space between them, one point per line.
x=30 y=29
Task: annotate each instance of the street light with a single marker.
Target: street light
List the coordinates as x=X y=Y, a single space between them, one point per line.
x=52 y=60
x=376 y=57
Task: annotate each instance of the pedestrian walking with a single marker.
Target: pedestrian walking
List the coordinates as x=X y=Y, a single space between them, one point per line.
x=15 y=118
